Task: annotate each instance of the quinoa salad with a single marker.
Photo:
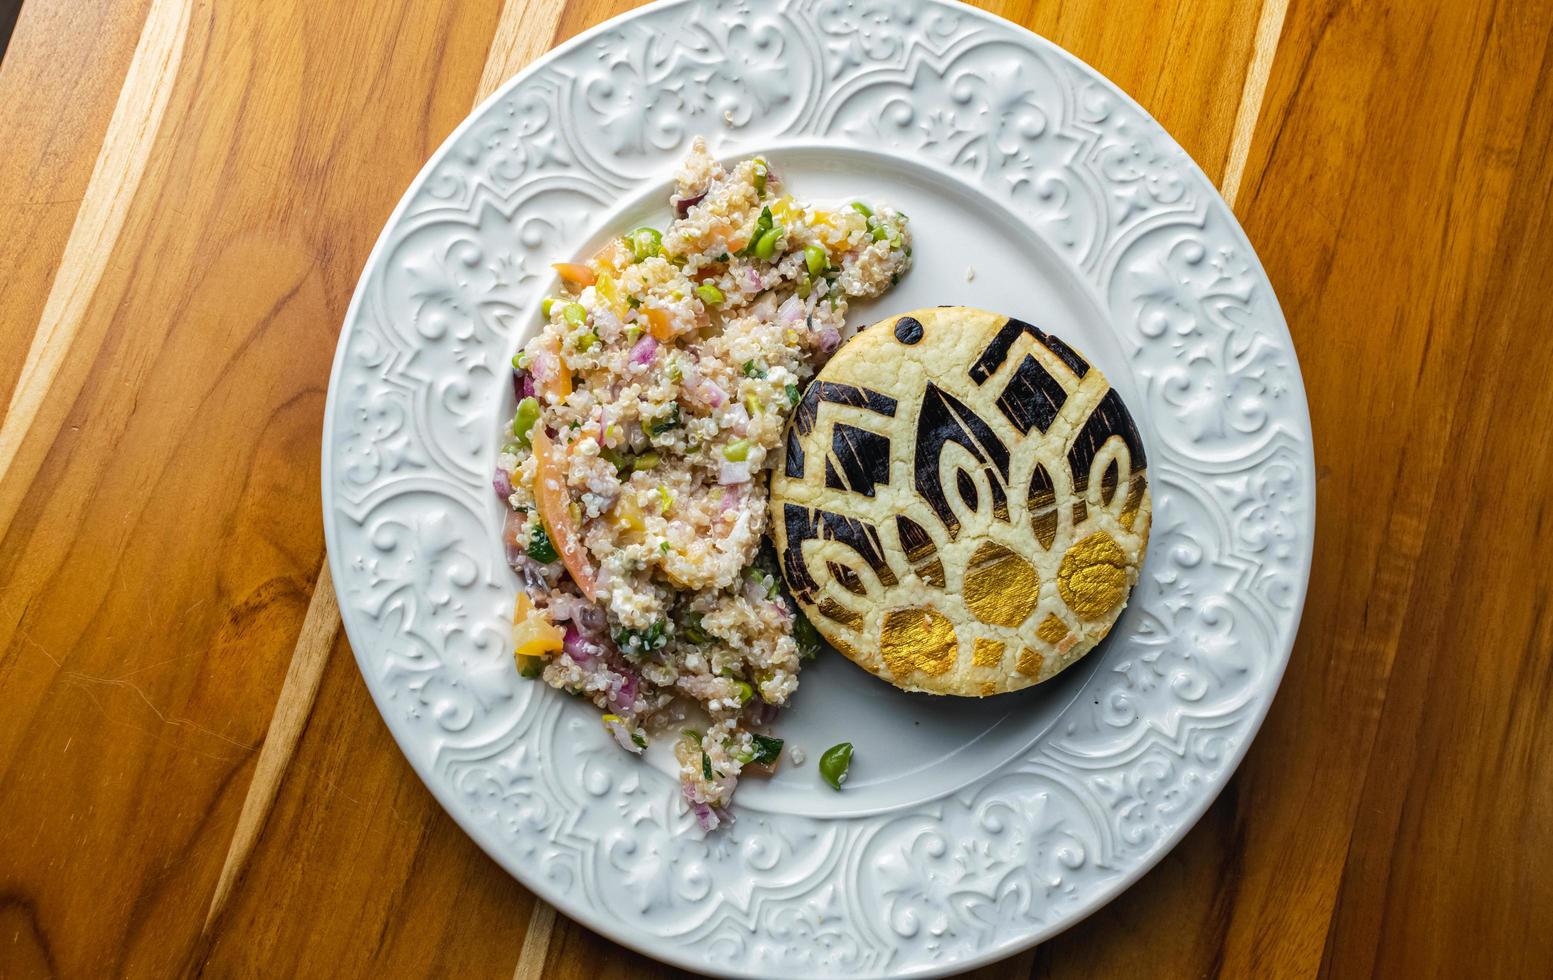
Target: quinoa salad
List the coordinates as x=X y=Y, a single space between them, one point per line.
x=649 y=408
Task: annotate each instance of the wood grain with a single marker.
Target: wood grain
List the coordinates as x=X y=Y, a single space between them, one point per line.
x=193 y=777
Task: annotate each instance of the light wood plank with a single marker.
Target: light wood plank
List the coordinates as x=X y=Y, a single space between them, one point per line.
x=122 y=161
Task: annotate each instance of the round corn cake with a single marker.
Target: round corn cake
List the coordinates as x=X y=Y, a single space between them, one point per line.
x=962 y=502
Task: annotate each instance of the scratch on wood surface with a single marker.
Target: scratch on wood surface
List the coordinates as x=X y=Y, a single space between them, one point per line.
x=1253 y=93
x=319 y=629
x=126 y=149
x=536 y=942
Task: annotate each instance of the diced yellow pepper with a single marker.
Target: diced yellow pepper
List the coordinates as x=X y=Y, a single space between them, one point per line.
x=628 y=514
x=609 y=292
x=533 y=635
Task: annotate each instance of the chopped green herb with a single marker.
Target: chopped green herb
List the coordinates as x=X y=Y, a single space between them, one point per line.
x=710 y=294
x=762 y=171
x=631 y=641
x=793 y=394
x=767 y=749
x=539 y=546
x=671 y=420
x=806 y=636
x=706 y=766
x=862 y=209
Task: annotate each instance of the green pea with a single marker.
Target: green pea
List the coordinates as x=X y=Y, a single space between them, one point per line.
x=574 y=313
x=694 y=632
x=520 y=360
x=523 y=421
x=805 y=285
x=585 y=342
x=539 y=547
x=530 y=667
x=862 y=209
x=645 y=461
x=816 y=259
x=879 y=234
x=546 y=305
x=763 y=224
x=835 y=763
x=737 y=451
x=645 y=243
x=745 y=692
x=765 y=248
x=710 y=294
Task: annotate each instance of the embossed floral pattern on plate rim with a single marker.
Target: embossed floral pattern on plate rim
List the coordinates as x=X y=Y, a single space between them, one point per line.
x=953 y=882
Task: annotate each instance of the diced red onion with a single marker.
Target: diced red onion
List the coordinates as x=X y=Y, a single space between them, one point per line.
x=530 y=571
x=790 y=312
x=733 y=498
x=752 y=280
x=829 y=339
x=574 y=646
x=502 y=484
x=705 y=815
x=629 y=682
x=682 y=207
x=522 y=384
x=644 y=350
x=711 y=393
x=731 y=474
x=760 y=713
x=738 y=419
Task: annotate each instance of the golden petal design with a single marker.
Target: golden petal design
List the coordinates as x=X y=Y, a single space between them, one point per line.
x=1001 y=588
x=917 y=640
x=1030 y=663
x=1092 y=578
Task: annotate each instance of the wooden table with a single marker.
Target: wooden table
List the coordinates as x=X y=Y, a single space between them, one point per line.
x=192 y=776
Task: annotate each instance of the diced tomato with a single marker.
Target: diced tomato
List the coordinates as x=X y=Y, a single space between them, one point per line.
x=575 y=273
x=658 y=323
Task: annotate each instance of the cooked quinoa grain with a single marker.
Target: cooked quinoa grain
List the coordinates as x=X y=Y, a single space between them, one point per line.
x=649 y=408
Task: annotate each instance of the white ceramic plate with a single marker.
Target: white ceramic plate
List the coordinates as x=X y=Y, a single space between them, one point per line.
x=969 y=830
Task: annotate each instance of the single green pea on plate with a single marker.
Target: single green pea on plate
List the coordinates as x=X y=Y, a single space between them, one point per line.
x=835 y=763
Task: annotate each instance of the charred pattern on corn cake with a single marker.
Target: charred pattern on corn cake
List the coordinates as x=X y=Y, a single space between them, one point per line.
x=962 y=574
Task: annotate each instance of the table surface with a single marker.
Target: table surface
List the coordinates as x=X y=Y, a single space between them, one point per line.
x=192 y=775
